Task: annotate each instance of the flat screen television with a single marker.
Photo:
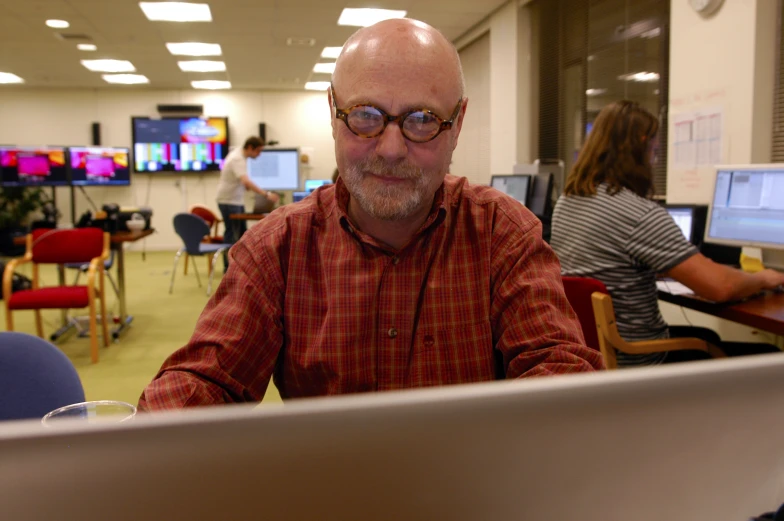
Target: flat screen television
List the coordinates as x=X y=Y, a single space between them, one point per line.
x=275 y=169
x=180 y=144
x=33 y=166
x=99 y=166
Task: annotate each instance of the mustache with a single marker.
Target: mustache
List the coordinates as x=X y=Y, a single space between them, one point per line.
x=378 y=166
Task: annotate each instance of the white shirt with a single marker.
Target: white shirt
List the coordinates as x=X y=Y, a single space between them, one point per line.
x=230 y=187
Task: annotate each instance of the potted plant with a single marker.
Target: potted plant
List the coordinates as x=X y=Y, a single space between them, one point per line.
x=16 y=206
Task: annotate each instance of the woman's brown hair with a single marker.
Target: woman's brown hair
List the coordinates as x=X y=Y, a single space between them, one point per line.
x=616 y=152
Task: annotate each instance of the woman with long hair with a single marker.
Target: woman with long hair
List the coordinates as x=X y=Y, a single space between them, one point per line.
x=606 y=226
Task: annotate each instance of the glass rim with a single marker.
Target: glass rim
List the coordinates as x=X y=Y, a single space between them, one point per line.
x=73 y=406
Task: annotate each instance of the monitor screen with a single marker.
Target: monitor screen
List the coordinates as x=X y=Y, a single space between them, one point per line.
x=99 y=166
x=515 y=186
x=298 y=196
x=180 y=144
x=748 y=207
x=684 y=218
x=312 y=184
x=33 y=166
x=541 y=194
x=275 y=169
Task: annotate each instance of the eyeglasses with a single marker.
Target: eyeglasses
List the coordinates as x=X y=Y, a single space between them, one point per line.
x=419 y=125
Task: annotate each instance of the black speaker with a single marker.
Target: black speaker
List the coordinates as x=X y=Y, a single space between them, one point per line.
x=263 y=131
x=96 y=130
x=196 y=110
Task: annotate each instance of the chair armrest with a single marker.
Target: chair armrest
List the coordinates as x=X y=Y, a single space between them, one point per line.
x=8 y=276
x=673 y=344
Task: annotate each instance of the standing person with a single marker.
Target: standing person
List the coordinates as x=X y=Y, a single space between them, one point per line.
x=399 y=275
x=233 y=182
x=606 y=226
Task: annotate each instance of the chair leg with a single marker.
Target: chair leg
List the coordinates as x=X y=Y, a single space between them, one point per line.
x=185 y=270
x=212 y=270
x=94 y=332
x=104 y=317
x=174 y=269
x=209 y=265
x=39 y=326
x=196 y=270
x=114 y=285
x=9 y=320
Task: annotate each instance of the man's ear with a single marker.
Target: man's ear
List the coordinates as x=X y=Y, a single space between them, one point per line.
x=458 y=126
x=331 y=112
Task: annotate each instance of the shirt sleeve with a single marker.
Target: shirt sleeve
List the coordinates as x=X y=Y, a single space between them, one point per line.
x=534 y=327
x=657 y=243
x=239 y=166
x=232 y=353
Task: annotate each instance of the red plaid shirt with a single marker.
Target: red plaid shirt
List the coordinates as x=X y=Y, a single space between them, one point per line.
x=327 y=309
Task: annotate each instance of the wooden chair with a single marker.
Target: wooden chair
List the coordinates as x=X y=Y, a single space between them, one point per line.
x=610 y=340
x=54 y=246
x=578 y=291
x=213 y=220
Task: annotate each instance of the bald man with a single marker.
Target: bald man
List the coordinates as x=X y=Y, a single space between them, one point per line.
x=397 y=276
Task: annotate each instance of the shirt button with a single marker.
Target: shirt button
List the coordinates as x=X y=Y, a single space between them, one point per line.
x=392 y=332
x=395 y=260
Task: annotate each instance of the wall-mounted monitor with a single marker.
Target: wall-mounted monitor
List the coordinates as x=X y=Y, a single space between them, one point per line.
x=515 y=186
x=748 y=206
x=276 y=169
x=33 y=166
x=99 y=166
x=180 y=144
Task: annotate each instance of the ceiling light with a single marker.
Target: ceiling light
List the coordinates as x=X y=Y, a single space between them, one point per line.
x=202 y=66
x=365 y=17
x=211 y=84
x=644 y=77
x=595 y=92
x=176 y=12
x=109 y=65
x=7 y=77
x=194 y=49
x=86 y=47
x=125 y=79
x=326 y=68
x=331 y=52
x=653 y=33
x=317 y=85
x=58 y=24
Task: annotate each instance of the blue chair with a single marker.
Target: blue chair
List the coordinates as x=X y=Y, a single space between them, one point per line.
x=192 y=229
x=35 y=377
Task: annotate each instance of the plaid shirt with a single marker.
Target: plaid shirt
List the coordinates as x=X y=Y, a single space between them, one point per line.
x=326 y=309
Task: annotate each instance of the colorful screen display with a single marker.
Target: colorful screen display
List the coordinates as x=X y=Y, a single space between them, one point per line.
x=180 y=144
x=98 y=166
x=33 y=166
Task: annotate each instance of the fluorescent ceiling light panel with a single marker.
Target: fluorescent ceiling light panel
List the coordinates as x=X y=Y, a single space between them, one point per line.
x=325 y=68
x=109 y=65
x=7 y=77
x=125 y=79
x=643 y=77
x=202 y=66
x=331 y=52
x=86 y=47
x=58 y=24
x=595 y=92
x=365 y=17
x=317 y=85
x=176 y=12
x=211 y=84
x=194 y=49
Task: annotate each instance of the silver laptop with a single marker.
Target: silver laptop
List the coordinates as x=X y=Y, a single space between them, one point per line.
x=698 y=441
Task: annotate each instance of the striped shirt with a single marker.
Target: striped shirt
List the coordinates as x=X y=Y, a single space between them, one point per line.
x=326 y=309
x=623 y=240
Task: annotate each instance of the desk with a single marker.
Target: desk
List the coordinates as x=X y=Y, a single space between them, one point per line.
x=764 y=313
x=248 y=216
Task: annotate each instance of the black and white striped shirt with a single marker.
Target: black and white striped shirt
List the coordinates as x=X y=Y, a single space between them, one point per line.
x=623 y=240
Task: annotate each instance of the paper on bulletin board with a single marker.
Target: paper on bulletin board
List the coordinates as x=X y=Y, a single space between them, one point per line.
x=698 y=145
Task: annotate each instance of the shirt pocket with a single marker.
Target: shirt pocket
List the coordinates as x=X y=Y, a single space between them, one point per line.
x=454 y=355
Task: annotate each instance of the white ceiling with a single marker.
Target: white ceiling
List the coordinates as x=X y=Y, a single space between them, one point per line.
x=252 y=33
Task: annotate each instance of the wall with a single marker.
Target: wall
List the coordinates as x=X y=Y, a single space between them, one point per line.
x=63 y=117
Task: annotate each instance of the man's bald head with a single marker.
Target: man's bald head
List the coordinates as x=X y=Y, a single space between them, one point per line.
x=404 y=43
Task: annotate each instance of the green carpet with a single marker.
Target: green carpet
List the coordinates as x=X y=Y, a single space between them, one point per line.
x=162 y=324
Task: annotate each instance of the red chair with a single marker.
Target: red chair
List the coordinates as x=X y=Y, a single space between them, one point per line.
x=47 y=246
x=213 y=220
x=578 y=292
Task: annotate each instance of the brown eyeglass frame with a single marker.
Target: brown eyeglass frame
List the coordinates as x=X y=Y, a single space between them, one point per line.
x=342 y=114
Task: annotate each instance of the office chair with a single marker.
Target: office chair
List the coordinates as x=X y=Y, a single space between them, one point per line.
x=83 y=268
x=578 y=292
x=610 y=340
x=213 y=220
x=53 y=246
x=192 y=229
x=35 y=377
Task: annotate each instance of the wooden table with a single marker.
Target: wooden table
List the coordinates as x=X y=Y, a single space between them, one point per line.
x=248 y=216
x=765 y=313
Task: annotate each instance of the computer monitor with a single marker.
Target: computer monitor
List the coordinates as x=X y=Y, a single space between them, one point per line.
x=515 y=186
x=540 y=199
x=298 y=196
x=179 y=144
x=33 y=166
x=276 y=169
x=690 y=219
x=312 y=184
x=99 y=166
x=748 y=206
